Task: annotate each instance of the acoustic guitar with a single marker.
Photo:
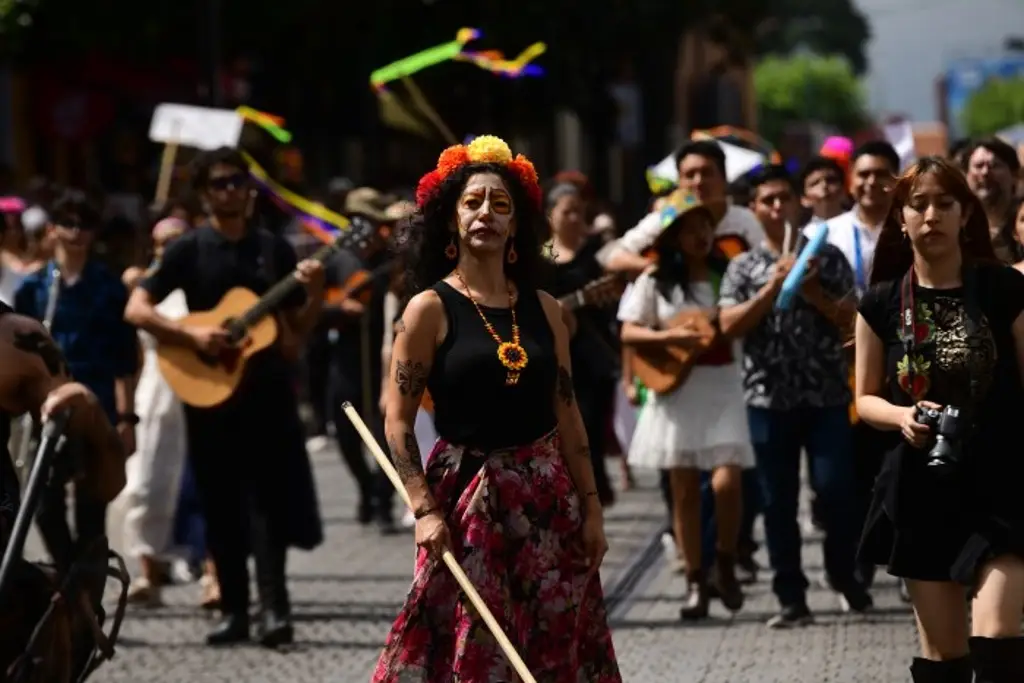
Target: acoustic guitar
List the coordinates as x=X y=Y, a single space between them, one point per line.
x=203 y=380
x=663 y=369
x=603 y=291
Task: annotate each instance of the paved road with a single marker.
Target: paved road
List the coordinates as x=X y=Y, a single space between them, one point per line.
x=348 y=591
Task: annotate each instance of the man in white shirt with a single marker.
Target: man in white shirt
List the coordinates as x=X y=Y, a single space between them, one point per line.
x=873 y=170
x=701 y=172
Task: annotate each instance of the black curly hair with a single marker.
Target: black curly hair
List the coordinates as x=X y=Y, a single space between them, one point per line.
x=422 y=244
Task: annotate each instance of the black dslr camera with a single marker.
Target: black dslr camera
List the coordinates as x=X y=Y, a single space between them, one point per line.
x=948 y=427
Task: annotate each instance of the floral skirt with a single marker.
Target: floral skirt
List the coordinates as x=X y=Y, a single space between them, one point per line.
x=515 y=520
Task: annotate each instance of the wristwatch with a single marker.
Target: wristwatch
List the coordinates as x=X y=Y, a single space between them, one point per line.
x=128 y=419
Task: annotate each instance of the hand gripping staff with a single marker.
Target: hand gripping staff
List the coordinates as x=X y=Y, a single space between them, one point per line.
x=460 y=576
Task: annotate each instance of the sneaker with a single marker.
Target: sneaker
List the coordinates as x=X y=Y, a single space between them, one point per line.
x=792 y=616
x=855 y=600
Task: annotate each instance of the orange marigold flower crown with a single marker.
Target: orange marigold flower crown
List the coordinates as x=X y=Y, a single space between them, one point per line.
x=486 y=149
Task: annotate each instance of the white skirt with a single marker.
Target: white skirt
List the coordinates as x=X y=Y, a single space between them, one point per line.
x=701 y=425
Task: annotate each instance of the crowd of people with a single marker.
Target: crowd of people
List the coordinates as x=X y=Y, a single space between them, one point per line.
x=492 y=330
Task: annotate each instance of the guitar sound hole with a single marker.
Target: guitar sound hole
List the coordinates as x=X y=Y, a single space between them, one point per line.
x=227 y=358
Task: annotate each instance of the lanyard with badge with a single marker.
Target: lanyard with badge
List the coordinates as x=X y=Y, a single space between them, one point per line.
x=859 y=271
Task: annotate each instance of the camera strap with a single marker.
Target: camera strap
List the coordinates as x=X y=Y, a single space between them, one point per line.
x=908 y=315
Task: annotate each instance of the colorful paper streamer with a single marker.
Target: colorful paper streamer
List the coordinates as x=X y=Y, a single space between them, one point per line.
x=406 y=67
x=324 y=224
x=268 y=122
x=495 y=62
x=490 y=60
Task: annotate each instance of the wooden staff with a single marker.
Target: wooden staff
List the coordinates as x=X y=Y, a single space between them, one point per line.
x=460 y=576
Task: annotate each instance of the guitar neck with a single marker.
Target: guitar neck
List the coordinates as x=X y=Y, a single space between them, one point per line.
x=578 y=298
x=572 y=300
x=280 y=291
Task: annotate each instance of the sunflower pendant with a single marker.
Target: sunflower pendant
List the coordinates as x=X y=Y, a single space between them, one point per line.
x=514 y=358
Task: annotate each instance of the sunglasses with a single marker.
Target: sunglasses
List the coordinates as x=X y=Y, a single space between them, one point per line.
x=228 y=182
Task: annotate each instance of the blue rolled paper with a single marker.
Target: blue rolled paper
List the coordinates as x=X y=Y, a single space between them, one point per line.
x=791 y=285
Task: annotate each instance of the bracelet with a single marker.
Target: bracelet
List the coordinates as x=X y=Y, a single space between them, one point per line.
x=420 y=514
x=128 y=419
x=588 y=494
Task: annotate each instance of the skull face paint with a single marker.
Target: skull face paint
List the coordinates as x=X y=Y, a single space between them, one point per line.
x=485 y=214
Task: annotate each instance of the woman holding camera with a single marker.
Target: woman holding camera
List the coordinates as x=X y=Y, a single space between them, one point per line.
x=940 y=343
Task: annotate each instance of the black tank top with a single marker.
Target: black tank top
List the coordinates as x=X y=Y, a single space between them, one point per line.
x=472 y=404
x=10 y=488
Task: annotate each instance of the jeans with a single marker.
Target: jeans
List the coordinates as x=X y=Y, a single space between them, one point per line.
x=778 y=437
x=751 y=509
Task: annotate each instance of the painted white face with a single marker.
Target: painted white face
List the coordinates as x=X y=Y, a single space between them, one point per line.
x=484 y=214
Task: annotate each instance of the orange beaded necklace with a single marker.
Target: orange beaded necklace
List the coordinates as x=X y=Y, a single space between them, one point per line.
x=511 y=354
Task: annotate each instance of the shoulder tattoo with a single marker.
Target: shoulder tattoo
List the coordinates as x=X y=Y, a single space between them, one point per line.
x=565 y=390
x=42 y=345
x=411 y=377
x=399 y=327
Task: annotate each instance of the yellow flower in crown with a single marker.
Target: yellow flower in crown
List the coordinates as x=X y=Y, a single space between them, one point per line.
x=486 y=149
x=489 y=149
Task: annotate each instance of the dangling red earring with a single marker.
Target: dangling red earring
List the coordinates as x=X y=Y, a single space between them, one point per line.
x=512 y=255
x=451 y=252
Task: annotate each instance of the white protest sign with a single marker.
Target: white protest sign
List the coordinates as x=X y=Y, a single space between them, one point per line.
x=199 y=127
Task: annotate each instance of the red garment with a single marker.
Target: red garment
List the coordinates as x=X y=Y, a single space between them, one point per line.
x=516 y=530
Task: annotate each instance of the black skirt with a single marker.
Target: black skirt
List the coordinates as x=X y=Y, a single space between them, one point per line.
x=928 y=526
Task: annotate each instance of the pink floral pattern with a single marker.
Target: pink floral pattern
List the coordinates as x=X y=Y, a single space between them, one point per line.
x=515 y=529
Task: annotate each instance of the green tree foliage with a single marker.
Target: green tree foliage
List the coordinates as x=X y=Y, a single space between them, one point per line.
x=996 y=105
x=808 y=88
x=827 y=27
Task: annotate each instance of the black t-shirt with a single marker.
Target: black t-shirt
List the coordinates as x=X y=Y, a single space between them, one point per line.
x=205 y=265
x=343 y=266
x=977 y=372
x=595 y=353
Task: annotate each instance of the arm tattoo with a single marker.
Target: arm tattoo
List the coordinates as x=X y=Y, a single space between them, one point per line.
x=411 y=377
x=583 y=452
x=565 y=390
x=42 y=345
x=406 y=456
x=399 y=327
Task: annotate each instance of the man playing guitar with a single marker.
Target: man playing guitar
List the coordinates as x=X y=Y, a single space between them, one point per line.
x=247 y=453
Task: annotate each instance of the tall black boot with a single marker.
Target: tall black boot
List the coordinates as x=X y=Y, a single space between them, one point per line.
x=275 y=624
x=949 y=671
x=998 y=660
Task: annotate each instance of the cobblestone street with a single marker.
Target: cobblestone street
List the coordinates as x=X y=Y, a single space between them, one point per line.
x=347 y=593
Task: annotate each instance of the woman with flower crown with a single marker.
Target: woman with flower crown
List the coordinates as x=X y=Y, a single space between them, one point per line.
x=508 y=487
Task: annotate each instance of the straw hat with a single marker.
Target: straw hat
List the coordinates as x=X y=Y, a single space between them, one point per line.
x=677 y=205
